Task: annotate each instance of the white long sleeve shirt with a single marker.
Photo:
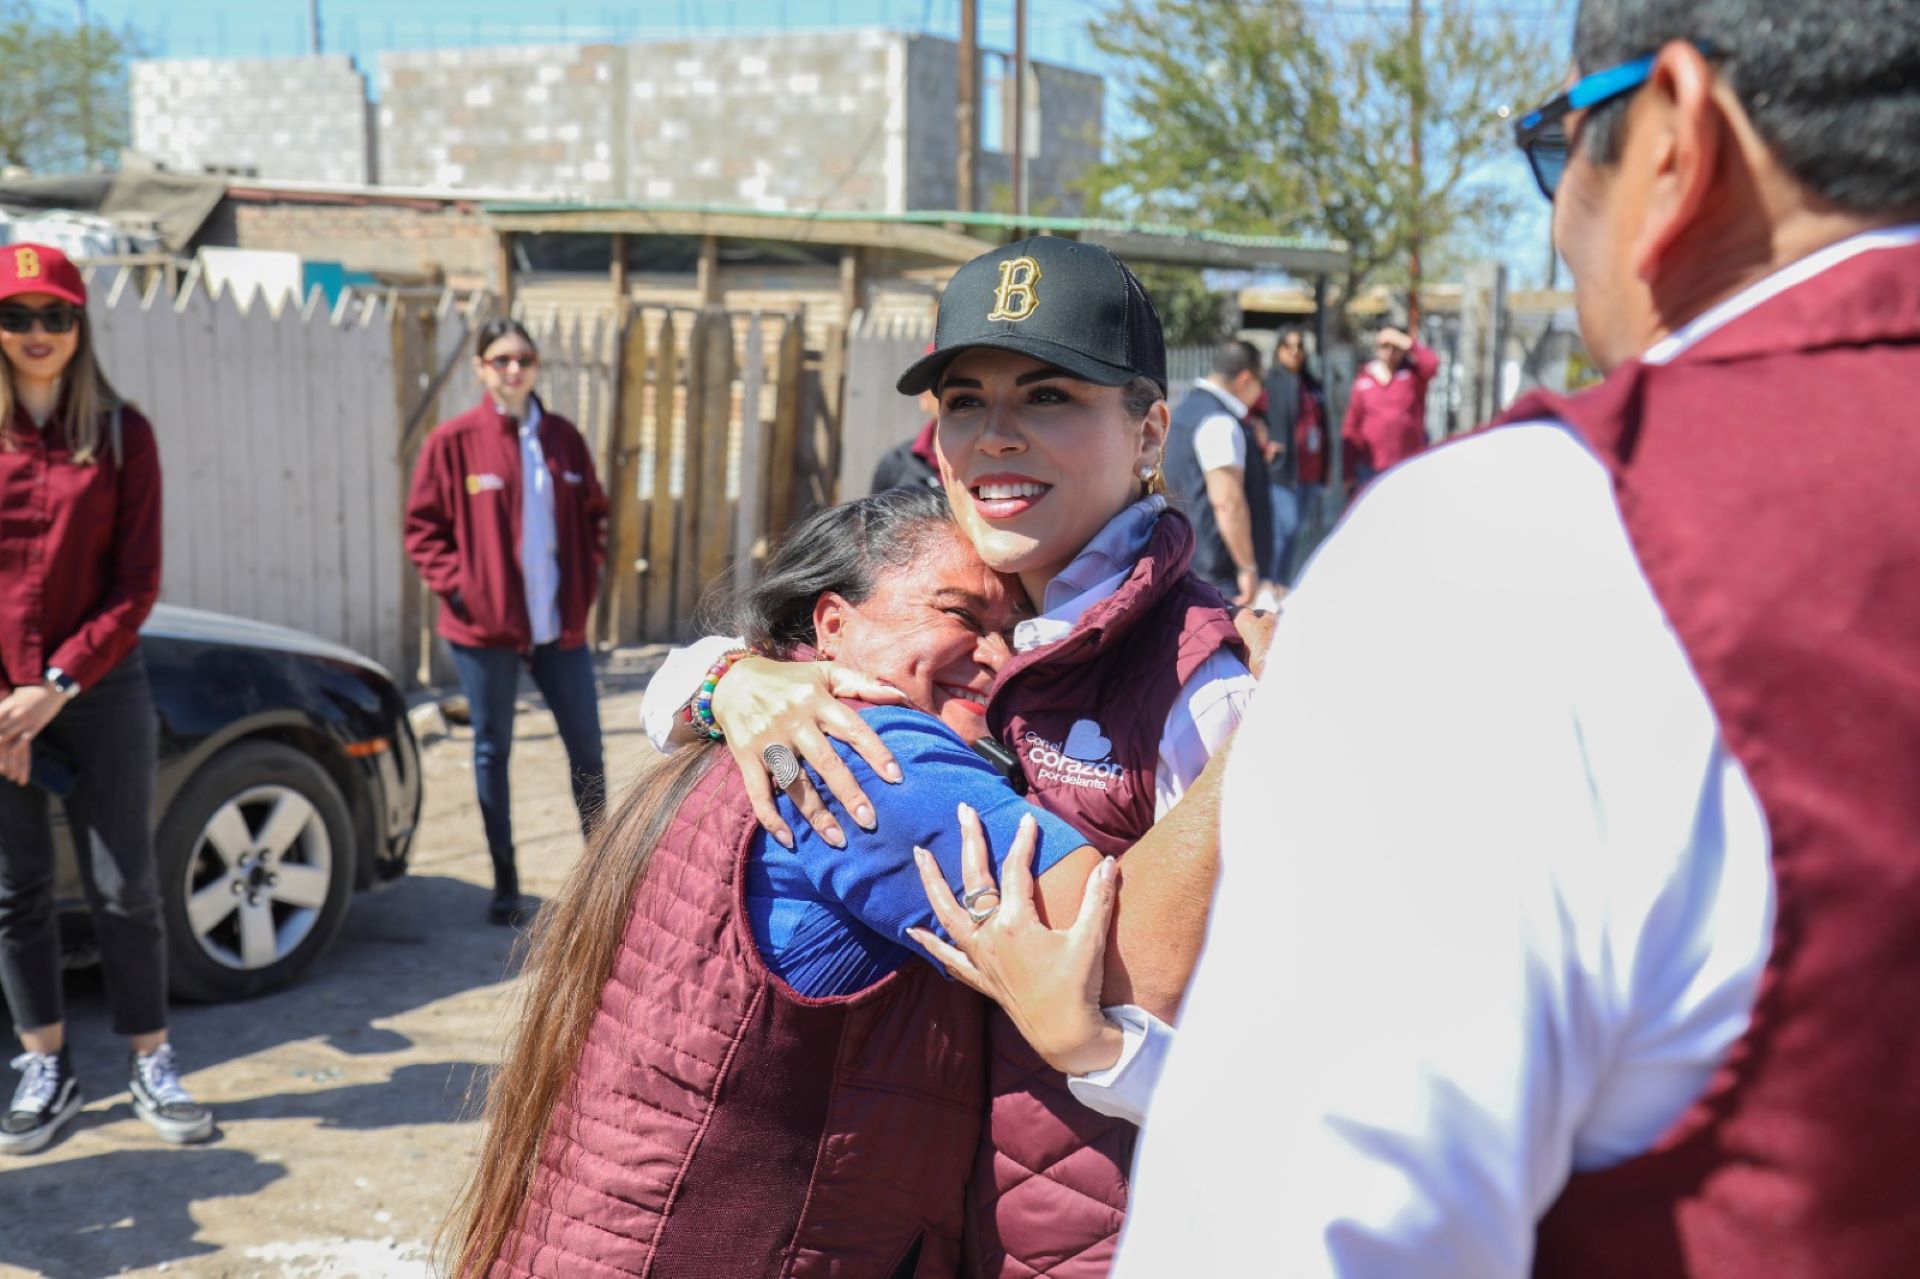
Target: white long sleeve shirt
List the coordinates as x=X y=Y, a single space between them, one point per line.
x=1531 y=957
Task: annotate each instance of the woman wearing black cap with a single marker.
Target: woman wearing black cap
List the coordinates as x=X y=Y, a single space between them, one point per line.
x=1050 y=369
x=80 y=506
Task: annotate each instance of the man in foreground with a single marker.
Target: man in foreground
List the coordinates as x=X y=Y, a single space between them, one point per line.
x=1622 y=981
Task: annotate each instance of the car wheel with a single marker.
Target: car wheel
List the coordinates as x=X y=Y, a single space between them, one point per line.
x=256 y=871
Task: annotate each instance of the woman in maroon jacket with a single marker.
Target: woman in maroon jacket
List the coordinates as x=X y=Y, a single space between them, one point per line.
x=507 y=524
x=79 y=571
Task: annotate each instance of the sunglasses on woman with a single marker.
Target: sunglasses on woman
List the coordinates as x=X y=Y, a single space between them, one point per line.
x=501 y=363
x=1542 y=135
x=54 y=319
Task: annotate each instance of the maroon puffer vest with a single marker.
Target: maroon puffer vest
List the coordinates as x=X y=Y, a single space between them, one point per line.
x=720 y=1126
x=1085 y=715
x=1770 y=481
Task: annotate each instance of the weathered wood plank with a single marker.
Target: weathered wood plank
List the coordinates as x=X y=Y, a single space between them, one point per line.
x=620 y=602
x=663 y=519
x=781 y=471
x=749 y=511
x=713 y=514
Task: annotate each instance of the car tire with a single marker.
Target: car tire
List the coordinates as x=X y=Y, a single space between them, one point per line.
x=256 y=859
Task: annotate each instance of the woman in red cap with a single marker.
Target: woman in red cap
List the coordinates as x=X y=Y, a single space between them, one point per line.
x=79 y=571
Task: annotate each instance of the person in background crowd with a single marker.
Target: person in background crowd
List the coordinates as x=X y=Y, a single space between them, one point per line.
x=507 y=525
x=1387 y=408
x=912 y=463
x=1622 y=980
x=79 y=572
x=1296 y=455
x=1215 y=471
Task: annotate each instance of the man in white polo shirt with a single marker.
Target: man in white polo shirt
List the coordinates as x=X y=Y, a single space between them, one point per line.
x=1622 y=979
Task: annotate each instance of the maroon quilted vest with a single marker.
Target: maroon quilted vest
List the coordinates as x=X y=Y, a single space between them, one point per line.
x=1769 y=478
x=1085 y=715
x=721 y=1126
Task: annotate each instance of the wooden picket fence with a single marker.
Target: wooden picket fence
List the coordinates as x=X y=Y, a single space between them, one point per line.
x=287 y=437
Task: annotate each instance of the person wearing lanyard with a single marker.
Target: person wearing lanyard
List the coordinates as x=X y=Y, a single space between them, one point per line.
x=507 y=524
x=79 y=572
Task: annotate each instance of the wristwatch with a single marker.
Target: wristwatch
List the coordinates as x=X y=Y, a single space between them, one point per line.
x=66 y=685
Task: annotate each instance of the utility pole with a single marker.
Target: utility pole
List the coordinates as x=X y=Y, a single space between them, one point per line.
x=1419 y=181
x=313 y=27
x=966 y=114
x=1019 y=149
x=86 y=86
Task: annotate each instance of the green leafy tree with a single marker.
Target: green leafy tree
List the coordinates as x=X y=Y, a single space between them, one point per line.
x=1280 y=117
x=63 y=99
x=1191 y=314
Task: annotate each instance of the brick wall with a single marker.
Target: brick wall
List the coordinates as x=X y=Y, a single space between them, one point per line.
x=448 y=243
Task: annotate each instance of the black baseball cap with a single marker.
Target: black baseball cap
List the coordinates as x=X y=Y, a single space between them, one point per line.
x=1072 y=305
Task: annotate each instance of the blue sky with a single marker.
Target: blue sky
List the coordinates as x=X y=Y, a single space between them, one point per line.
x=256 y=28
x=365 y=28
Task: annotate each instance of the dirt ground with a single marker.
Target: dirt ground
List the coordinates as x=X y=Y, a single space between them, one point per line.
x=341 y=1103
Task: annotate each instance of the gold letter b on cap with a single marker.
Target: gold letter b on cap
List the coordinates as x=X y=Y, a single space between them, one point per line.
x=26 y=264
x=1016 y=298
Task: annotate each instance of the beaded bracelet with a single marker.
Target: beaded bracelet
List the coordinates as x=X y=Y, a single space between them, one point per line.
x=699 y=712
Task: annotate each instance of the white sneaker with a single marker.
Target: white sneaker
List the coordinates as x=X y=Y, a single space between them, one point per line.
x=46 y=1100
x=159 y=1099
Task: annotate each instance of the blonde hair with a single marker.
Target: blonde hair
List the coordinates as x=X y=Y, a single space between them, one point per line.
x=86 y=399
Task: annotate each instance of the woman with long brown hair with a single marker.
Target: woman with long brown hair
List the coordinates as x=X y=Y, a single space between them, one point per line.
x=79 y=572
x=730 y=1061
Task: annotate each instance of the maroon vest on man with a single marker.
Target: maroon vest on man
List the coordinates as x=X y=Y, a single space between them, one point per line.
x=1085 y=715
x=720 y=1126
x=1769 y=478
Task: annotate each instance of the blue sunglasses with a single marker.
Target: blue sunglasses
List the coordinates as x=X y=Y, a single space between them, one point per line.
x=1542 y=134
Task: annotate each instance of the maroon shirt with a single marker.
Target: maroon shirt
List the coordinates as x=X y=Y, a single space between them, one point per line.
x=463 y=527
x=1387 y=421
x=79 y=551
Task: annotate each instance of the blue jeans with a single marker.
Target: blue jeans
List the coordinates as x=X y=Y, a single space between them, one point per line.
x=490 y=677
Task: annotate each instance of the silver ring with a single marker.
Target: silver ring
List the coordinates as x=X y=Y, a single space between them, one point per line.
x=971 y=900
x=781 y=765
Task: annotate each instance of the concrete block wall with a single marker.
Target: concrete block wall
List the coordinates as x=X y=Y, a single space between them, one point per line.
x=792 y=122
x=544 y=119
x=846 y=120
x=294 y=119
x=1069 y=144
x=1067 y=124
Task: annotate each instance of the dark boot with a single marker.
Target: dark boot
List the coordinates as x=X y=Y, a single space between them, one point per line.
x=508 y=908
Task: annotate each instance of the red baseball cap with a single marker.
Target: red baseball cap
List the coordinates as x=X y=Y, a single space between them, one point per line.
x=40 y=268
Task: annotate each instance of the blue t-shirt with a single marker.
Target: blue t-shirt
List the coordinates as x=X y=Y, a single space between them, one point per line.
x=832 y=921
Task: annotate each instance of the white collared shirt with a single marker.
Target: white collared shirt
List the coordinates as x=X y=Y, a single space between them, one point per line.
x=539 y=535
x=1496 y=921
x=1220 y=440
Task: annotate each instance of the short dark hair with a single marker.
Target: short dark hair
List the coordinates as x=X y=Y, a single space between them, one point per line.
x=498 y=327
x=1833 y=87
x=837 y=548
x=1236 y=357
x=1139 y=395
x=1290 y=331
